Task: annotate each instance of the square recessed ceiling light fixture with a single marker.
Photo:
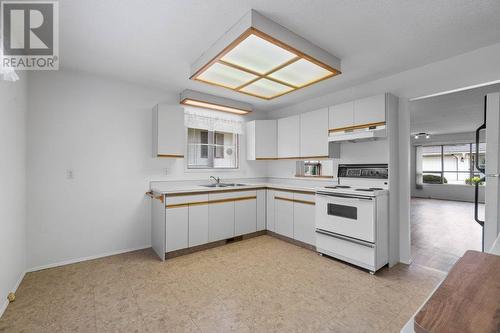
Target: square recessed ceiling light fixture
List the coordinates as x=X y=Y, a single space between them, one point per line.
x=261 y=58
x=205 y=101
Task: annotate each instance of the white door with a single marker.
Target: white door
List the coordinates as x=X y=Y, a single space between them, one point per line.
x=284 y=213
x=289 y=137
x=177 y=228
x=220 y=221
x=245 y=217
x=314 y=133
x=303 y=219
x=198 y=224
x=492 y=190
x=369 y=110
x=346 y=215
x=341 y=115
x=270 y=224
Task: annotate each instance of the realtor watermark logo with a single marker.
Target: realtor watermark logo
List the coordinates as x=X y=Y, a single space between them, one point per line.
x=30 y=35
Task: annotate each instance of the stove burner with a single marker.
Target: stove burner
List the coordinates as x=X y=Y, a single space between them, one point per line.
x=342 y=186
x=365 y=189
x=376 y=188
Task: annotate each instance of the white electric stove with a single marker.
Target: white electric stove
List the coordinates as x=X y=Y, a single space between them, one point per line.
x=352 y=217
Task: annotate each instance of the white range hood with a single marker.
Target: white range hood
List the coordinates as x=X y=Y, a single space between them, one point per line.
x=358 y=135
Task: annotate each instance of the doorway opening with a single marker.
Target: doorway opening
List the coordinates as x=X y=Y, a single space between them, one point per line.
x=445 y=166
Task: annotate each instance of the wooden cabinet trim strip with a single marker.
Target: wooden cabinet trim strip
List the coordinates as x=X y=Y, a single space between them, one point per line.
x=171 y=156
x=292 y=191
x=151 y=195
x=348 y=128
x=198 y=203
x=216 y=191
x=290 y=158
x=295 y=200
x=240 y=190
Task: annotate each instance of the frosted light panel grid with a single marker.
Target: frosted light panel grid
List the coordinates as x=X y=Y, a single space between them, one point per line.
x=266 y=88
x=226 y=76
x=258 y=55
x=300 y=73
x=258 y=65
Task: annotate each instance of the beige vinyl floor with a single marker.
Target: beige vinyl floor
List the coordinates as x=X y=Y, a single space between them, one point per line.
x=261 y=284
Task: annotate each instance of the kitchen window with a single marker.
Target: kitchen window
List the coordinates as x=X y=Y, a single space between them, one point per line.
x=212 y=149
x=448 y=164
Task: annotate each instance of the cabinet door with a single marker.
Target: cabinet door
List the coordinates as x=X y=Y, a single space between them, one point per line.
x=198 y=224
x=341 y=115
x=270 y=224
x=245 y=217
x=220 y=221
x=289 y=137
x=369 y=110
x=284 y=213
x=176 y=228
x=169 y=133
x=261 y=210
x=303 y=219
x=261 y=139
x=314 y=133
x=158 y=226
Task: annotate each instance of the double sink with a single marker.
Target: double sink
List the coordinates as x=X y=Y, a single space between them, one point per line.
x=224 y=185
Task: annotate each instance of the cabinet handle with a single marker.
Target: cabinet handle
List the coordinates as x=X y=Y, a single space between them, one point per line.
x=296 y=200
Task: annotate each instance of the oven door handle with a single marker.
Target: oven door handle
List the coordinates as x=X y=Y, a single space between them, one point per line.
x=345 y=238
x=338 y=195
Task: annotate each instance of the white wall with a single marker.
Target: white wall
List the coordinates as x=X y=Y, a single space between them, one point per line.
x=13 y=106
x=100 y=129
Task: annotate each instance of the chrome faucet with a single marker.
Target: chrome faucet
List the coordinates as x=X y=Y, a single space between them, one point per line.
x=217 y=179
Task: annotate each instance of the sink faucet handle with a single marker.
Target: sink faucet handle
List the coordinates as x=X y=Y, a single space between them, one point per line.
x=217 y=179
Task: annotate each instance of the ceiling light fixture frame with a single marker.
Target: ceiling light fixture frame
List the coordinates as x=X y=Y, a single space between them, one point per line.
x=258 y=25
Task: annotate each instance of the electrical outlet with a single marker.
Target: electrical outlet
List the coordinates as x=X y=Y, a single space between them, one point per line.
x=69 y=174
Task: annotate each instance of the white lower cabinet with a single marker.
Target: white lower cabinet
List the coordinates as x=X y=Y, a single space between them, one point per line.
x=198 y=224
x=283 y=211
x=270 y=210
x=245 y=217
x=303 y=218
x=220 y=221
x=177 y=220
x=261 y=210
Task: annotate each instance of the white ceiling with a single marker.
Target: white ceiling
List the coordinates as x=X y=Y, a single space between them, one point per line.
x=453 y=113
x=154 y=42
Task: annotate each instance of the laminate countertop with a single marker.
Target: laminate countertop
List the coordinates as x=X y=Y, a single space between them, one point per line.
x=468 y=300
x=166 y=188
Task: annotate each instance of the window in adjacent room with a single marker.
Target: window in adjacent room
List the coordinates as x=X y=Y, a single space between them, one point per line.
x=212 y=149
x=449 y=164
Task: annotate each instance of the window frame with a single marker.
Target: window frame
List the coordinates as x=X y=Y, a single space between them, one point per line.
x=211 y=153
x=472 y=172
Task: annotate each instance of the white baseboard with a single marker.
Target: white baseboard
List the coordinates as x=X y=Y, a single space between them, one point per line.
x=76 y=260
x=3 y=307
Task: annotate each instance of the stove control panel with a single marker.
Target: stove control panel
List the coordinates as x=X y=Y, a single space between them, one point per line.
x=375 y=171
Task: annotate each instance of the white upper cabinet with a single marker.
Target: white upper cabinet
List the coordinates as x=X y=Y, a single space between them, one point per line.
x=364 y=111
x=341 y=115
x=289 y=137
x=261 y=139
x=314 y=133
x=169 y=134
x=370 y=110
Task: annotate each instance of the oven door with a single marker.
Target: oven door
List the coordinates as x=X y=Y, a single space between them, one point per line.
x=348 y=215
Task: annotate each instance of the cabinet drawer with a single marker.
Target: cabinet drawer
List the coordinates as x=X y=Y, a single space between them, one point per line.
x=185 y=199
x=346 y=250
x=231 y=195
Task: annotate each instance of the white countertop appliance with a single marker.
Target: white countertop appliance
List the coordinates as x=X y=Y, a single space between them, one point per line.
x=352 y=217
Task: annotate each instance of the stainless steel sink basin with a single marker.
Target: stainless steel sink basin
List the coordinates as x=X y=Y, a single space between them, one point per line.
x=223 y=185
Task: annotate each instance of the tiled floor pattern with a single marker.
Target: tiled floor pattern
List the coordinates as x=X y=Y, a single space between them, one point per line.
x=442 y=231
x=257 y=285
